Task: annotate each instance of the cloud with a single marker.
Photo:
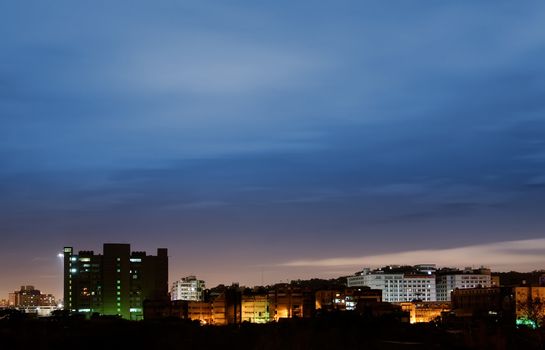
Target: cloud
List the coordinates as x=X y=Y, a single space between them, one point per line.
x=536 y=181
x=524 y=254
x=213 y=66
x=200 y=205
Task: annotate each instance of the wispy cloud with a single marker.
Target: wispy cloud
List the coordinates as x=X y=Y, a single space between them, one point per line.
x=523 y=254
x=214 y=65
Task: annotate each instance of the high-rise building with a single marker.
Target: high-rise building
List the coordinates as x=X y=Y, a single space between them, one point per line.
x=188 y=288
x=114 y=283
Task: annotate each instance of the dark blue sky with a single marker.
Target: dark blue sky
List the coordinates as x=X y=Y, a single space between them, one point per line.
x=260 y=141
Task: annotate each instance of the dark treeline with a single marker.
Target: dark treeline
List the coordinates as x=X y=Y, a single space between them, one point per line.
x=339 y=330
x=514 y=278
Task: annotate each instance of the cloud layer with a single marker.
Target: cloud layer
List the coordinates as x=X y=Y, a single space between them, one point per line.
x=524 y=255
x=263 y=132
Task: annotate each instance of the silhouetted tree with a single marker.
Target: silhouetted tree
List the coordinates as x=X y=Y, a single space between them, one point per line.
x=532 y=309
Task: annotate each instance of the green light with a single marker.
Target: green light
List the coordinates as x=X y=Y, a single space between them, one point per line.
x=526 y=322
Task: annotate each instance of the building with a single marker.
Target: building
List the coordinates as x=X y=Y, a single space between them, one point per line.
x=223 y=307
x=12 y=299
x=422 y=311
x=188 y=288
x=286 y=301
x=347 y=299
x=255 y=308
x=449 y=280
x=398 y=284
x=530 y=305
x=481 y=302
x=201 y=311
x=116 y=282
x=523 y=305
x=30 y=297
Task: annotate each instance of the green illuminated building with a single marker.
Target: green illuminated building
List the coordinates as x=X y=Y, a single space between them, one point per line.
x=114 y=283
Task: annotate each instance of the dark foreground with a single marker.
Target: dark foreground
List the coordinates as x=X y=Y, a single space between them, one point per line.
x=337 y=332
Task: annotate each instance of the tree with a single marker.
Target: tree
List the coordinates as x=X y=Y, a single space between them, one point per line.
x=531 y=311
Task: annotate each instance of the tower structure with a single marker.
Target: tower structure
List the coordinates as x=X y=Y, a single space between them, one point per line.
x=114 y=283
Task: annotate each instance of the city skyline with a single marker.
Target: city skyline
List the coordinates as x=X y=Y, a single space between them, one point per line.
x=266 y=142
x=353 y=266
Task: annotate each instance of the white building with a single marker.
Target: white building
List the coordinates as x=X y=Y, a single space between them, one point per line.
x=468 y=278
x=397 y=287
x=188 y=288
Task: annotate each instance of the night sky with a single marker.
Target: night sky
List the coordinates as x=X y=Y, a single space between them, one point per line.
x=263 y=141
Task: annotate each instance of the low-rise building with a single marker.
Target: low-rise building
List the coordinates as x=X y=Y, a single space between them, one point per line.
x=397 y=286
x=347 y=299
x=425 y=311
x=524 y=305
x=30 y=297
x=286 y=301
x=451 y=279
x=255 y=309
x=201 y=311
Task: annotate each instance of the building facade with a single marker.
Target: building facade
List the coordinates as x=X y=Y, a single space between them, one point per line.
x=425 y=311
x=286 y=301
x=255 y=309
x=397 y=287
x=28 y=296
x=114 y=283
x=347 y=299
x=468 y=278
x=188 y=288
